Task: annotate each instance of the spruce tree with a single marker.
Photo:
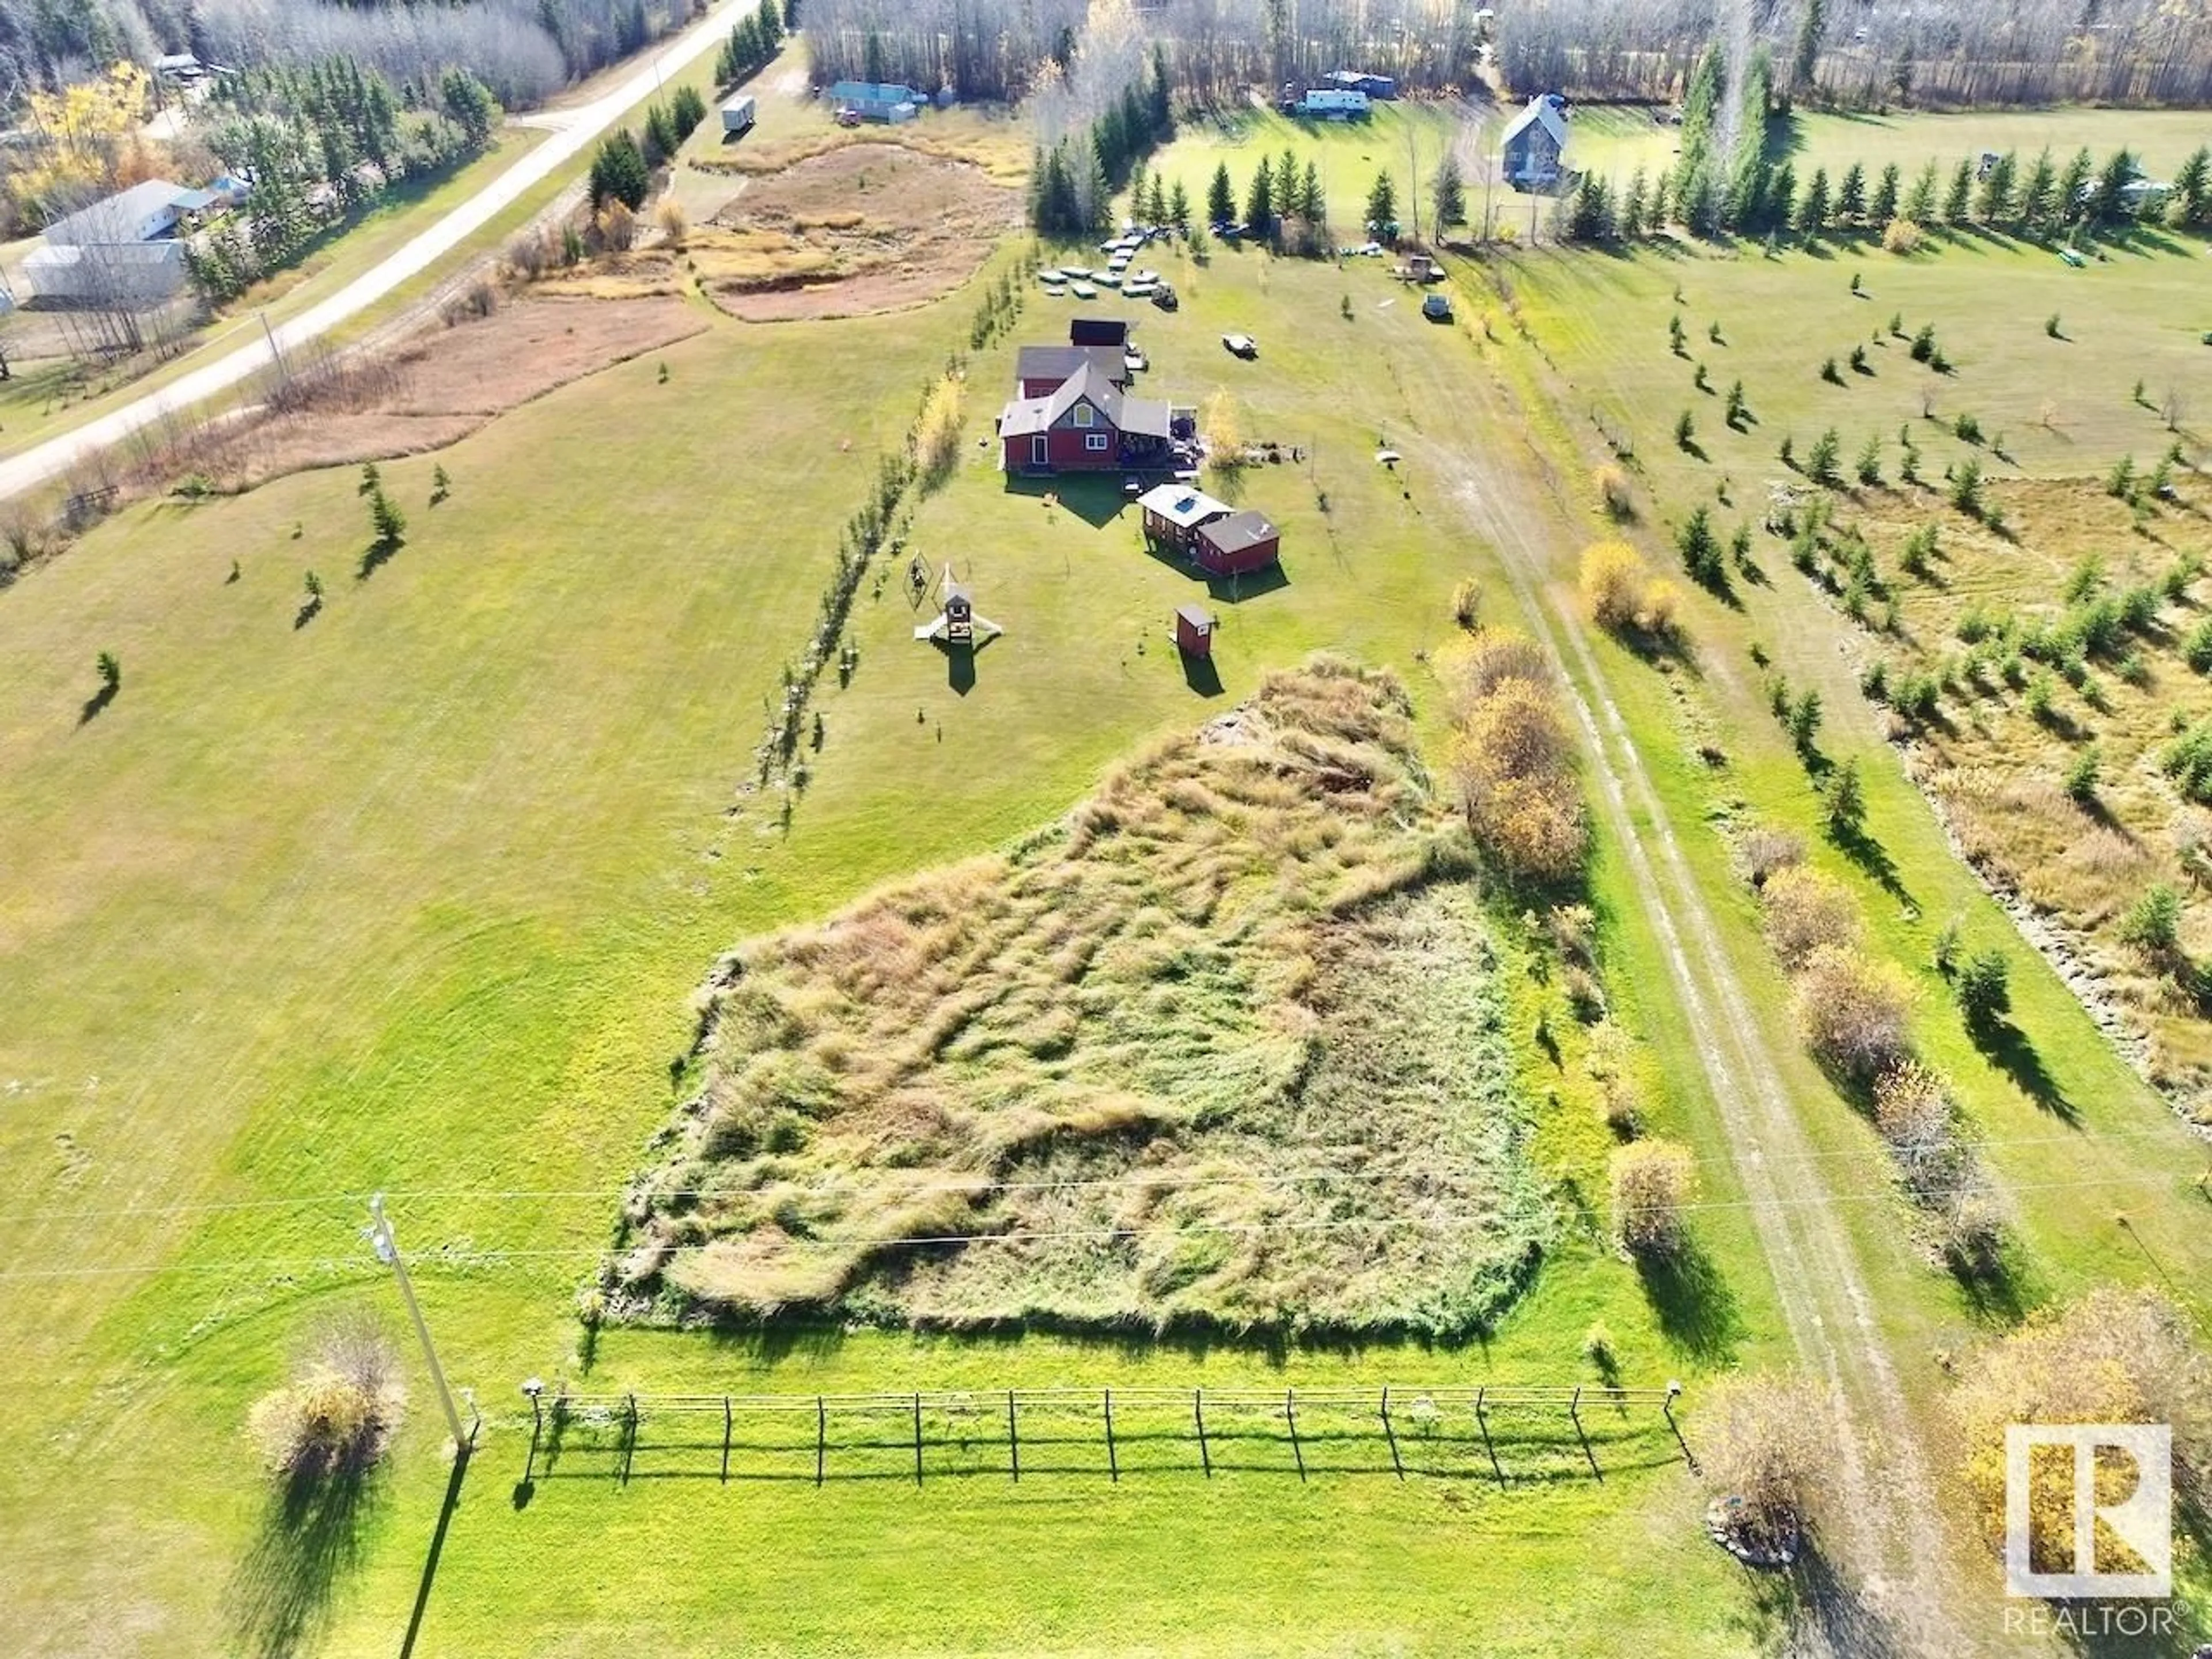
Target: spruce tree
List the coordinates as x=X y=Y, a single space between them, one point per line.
x=1851 y=195
x=1381 y=205
x=1881 y=208
x=1221 y=197
x=2191 y=207
x=1920 y=200
x=1260 y=199
x=2073 y=184
x=1813 y=206
x=1451 y=194
x=1959 y=198
x=2039 y=191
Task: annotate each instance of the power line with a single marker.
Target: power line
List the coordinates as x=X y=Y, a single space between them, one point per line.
x=466 y=1258
x=1128 y=1178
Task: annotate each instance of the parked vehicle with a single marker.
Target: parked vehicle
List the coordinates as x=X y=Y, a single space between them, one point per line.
x=1164 y=298
x=1436 y=308
x=1241 y=345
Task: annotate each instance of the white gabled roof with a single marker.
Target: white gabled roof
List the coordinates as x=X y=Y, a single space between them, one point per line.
x=1541 y=111
x=1181 y=505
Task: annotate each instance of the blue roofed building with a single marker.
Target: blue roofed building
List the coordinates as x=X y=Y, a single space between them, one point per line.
x=878 y=100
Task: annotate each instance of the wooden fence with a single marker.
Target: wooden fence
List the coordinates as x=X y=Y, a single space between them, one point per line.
x=1498 y=1433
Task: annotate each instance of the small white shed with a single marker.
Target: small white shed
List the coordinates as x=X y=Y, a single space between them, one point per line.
x=739 y=114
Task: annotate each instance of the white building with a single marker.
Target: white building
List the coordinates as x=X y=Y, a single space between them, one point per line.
x=137 y=215
x=107 y=273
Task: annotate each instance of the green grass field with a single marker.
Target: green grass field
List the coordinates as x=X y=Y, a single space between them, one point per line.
x=413 y=896
x=416 y=896
x=1613 y=142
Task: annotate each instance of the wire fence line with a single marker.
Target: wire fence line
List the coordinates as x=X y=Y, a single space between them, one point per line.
x=1500 y=1432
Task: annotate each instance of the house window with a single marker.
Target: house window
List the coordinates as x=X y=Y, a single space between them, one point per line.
x=1083 y=414
x=1095 y=441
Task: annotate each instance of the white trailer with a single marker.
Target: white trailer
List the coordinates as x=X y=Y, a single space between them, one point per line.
x=737 y=115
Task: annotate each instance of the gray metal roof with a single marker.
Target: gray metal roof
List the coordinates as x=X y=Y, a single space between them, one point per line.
x=116 y=218
x=1238 y=531
x=1142 y=416
x=1541 y=111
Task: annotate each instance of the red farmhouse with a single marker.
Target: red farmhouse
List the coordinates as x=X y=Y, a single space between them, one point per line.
x=1087 y=425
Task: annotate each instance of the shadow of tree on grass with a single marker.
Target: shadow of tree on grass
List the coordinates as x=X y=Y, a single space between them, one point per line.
x=1696 y=1309
x=1823 y=1612
x=2006 y=1047
x=279 y=1598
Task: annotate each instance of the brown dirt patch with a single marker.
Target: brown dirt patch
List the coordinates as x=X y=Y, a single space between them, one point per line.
x=442 y=385
x=863 y=228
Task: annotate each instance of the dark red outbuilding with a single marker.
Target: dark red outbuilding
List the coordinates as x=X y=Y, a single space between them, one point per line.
x=1193 y=631
x=1237 y=546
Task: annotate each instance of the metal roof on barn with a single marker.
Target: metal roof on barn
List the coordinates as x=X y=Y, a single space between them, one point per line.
x=1239 y=532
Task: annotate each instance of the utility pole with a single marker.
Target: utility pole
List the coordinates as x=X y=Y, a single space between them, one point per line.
x=387 y=1251
x=276 y=357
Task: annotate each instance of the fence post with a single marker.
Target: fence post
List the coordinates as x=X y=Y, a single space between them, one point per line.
x=1291 y=1413
x=1575 y=1411
x=1113 y=1462
x=629 y=1438
x=1483 y=1418
x=1198 y=1411
x=1667 y=1410
x=725 y=1440
x=917 y=1438
x=1391 y=1434
x=821 y=1438
x=1013 y=1434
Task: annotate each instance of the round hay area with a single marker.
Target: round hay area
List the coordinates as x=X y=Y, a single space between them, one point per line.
x=864 y=227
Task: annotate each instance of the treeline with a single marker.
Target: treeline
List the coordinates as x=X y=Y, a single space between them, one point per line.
x=1217 y=49
x=1072 y=184
x=523 y=50
x=754 y=40
x=2041 y=196
x=322 y=143
x=1945 y=54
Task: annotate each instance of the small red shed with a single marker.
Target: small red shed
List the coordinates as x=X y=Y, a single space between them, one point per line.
x=1237 y=546
x=1193 y=631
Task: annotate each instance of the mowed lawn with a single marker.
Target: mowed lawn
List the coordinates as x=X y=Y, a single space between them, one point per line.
x=413 y=896
x=408 y=896
x=2061 y=406
x=1613 y=141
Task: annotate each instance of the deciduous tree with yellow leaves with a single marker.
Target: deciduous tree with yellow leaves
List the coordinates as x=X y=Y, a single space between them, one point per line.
x=86 y=142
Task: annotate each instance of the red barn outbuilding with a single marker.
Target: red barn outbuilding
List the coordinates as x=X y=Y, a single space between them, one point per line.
x=1237 y=546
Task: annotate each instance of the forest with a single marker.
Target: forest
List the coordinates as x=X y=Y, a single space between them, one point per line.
x=524 y=51
x=1949 y=53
